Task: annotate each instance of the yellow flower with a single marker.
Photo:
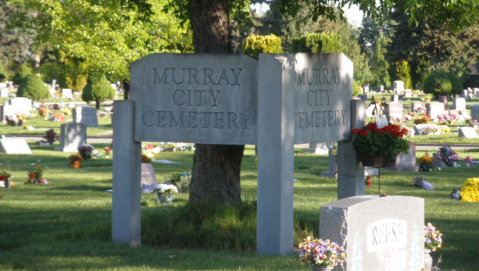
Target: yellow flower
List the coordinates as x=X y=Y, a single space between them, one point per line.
x=470 y=190
x=334 y=152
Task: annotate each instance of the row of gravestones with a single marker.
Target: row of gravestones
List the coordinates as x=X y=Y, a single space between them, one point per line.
x=72 y=135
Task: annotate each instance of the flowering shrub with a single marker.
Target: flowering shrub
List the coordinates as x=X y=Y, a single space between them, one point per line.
x=470 y=190
x=321 y=253
x=386 y=141
x=432 y=237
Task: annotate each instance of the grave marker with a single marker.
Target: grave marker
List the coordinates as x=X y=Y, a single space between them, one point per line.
x=434 y=109
x=67 y=93
x=379 y=233
x=73 y=135
x=19 y=105
x=475 y=111
x=398 y=87
x=459 y=103
x=14 y=146
x=86 y=115
x=148 y=178
x=467 y=132
x=4 y=92
x=394 y=112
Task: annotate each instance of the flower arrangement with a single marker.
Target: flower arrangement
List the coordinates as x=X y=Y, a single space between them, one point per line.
x=420 y=181
x=43 y=111
x=432 y=237
x=107 y=152
x=470 y=190
x=468 y=159
x=180 y=180
x=164 y=191
x=367 y=181
x=149 y=152
x=36 y=176
x=454 y=157
x=6 y=179
x=430 y=130
x=425 y=162
x=385 y=141
x=445 y=153
x=75 y=160
x=321 y=253
x=51 y=136
x=87 y=151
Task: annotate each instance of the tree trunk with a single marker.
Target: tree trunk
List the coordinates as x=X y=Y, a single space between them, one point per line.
x=97 y=104
x=216 y=168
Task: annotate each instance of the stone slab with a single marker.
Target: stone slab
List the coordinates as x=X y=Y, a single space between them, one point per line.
x=73 y=135
x=86 y=115
x=378 y=233
x=475 y=111
x=67 y=93
x=467 y=132
x=459 y=103
x=14 y=146
x=201 y=98
x=148 y=176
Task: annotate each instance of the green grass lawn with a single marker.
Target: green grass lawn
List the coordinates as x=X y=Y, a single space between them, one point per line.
x=67 y=225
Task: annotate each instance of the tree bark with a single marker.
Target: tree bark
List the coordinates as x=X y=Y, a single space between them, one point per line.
x=216 y=168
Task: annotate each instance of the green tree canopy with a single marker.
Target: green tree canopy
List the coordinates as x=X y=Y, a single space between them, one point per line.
x=109 y=35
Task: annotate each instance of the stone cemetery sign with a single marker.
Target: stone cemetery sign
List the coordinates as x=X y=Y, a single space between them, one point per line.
x=201 y=98
x=14 y=146
x=73 y=135
x=229 y=99
x=86 y=115
x=379 y=233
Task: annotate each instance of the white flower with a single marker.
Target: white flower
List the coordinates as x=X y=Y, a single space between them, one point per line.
x=163 y=188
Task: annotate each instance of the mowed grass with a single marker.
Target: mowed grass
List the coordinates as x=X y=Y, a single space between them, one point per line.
x=67 y=225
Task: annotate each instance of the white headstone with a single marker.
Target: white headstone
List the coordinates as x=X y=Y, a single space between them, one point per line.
x=4 y=92
x=378 y=233
x=459 y=103
x=148 y=177
x=19 y=105
x=398 y=87
x=395 y=112
x=86 y=115
x=467 y=132
x=73 y=135
x=67 y=93
x=14 y=146
x=434 y=109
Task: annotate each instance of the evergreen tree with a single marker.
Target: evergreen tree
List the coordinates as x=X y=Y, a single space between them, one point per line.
x=3 y=73
x=21 y=74
x=33 y=87
x=97 y=89
x=438 y=83
x=379 y=64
